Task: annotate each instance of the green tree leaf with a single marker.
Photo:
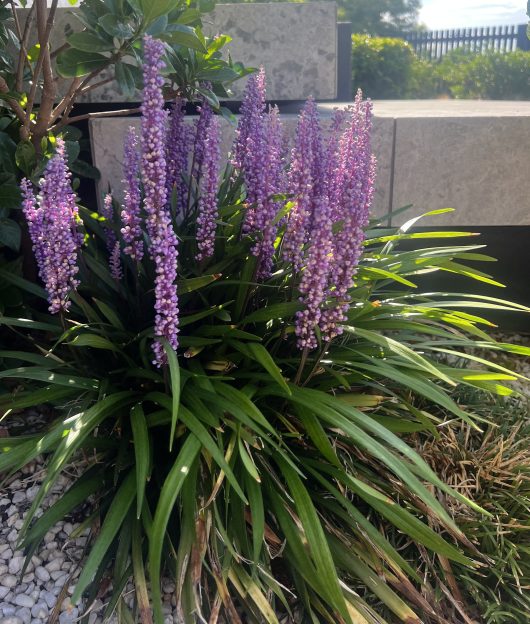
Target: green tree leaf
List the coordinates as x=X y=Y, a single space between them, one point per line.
x=113 y=521
x=166 y=502
x=10 y=234
x=186 y=36
x=112 y=25
x=152 y=9
x=74 y=63
x=89 y=42
x=142 y=453
x=125 y=78
x=25 y=157
x=174 y=370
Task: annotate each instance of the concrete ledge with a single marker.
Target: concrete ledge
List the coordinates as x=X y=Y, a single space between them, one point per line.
x=107 y=134
x=471 y=156
x=477 y=165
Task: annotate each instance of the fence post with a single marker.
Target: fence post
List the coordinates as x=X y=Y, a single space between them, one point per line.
x=523 y=43
x=344 y=62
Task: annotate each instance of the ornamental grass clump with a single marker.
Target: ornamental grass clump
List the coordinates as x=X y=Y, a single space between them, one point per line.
x=254 y=458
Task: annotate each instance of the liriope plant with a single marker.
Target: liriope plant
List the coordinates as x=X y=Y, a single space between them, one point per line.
x=232 y=360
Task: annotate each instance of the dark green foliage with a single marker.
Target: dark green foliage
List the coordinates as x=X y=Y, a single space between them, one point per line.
x=388 y=68
x=491 y=76
x=223 y=472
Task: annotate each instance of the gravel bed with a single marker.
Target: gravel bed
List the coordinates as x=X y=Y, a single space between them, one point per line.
x=42 y=594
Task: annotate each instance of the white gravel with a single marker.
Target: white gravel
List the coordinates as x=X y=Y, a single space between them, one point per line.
x=50 y=576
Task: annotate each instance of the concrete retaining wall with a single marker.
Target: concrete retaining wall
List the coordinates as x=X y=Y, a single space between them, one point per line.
x=471 y=156
x=296 y=43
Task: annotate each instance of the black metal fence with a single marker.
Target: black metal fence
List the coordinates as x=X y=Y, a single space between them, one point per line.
x=435 y=44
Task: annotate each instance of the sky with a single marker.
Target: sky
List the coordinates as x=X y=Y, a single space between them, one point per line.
x=438 y=14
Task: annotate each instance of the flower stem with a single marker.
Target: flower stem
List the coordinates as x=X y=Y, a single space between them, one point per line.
x=317 y=363
x=303 y=361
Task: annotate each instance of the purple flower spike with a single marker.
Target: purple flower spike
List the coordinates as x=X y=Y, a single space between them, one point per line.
x=34 y=218
x=115 y=262
x=249 y=126
x=177 y=154
x=208 y=210
x=258 y=155
x=52 y=227
x=113 y=244
x=163 y=242
x=338 y=123
x=271 y=183
x=130 y=214
x=354 y=180
x=315 y=276
x=306 y=183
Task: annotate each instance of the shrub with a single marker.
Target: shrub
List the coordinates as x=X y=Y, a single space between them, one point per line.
x=490 y=76
x=252 y=455
x=388 y=68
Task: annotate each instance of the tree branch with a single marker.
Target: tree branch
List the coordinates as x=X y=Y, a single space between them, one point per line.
x=13 y=103
x=60 y=49
x=23 y=37
x=83 y=86
x=118 y=113
x=65 y=101
x=95 y=85
x=44 y=27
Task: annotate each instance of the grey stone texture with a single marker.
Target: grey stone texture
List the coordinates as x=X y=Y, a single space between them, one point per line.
x=473 y=156
x=296 y=44
x=470 y=156
x=106 y=135
x=478 y=165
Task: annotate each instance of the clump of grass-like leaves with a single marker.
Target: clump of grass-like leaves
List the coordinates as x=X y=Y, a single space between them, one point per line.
x=256 y=494
x=253 y=472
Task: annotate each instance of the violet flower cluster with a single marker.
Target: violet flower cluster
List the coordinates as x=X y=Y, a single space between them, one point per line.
x=131 y=209
x=163 y=241
x=331 y=183
x=307 y=241
x=113 y=244
x=51 y=221
x=207 y=206
x=333 y=188
x=258 y=155
x=251 y=110
x=306 y=184
x=272 y=180
x=353 y=179
x=178 y=144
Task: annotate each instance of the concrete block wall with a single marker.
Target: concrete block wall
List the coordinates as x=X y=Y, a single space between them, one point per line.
x=471 y=156
x=107 y=134
x=296 y=43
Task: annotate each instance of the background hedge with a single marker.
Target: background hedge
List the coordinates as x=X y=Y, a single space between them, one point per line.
x=388 y=68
